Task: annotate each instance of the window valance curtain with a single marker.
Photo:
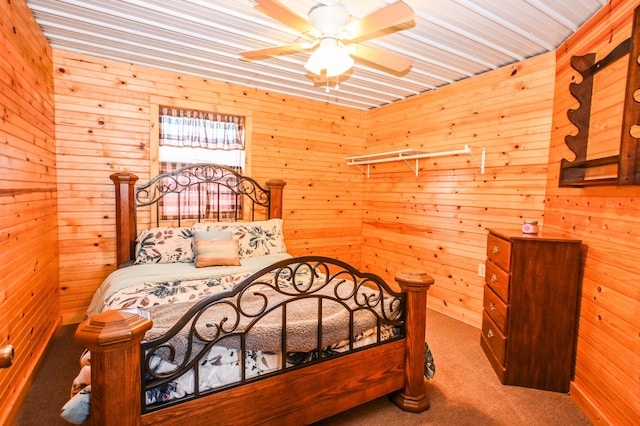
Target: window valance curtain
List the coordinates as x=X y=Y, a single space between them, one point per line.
x=198 y=129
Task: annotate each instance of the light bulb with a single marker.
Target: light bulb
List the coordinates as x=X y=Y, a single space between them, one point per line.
x=331 y=57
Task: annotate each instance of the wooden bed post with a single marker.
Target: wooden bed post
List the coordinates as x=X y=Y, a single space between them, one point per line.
x=125 y=216
x=413 y=397
x=113 y=337
x=275 y=205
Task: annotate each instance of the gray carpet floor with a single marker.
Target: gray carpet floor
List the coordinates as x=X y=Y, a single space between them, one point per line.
x=52 y=384
x=464 y=391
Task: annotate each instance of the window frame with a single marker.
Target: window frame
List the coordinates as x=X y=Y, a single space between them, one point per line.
x=156 y=102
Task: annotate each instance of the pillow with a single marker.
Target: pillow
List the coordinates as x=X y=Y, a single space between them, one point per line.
x=216 y=253
x=259 y=238
x=164 y=245
x=213 y=235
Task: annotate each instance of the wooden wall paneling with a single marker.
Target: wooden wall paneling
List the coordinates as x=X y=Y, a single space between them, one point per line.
x=29 y=310
x=103 y=126
x=85 y=111
x=437 y=220
x=606 y=383
x=414 y=245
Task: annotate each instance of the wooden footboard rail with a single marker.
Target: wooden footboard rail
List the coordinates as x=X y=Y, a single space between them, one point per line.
x=298 y=395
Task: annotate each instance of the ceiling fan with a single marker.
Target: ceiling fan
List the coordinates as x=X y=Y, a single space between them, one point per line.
x=334 y=36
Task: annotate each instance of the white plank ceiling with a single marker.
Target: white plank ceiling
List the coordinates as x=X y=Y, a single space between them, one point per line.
x=450 y=40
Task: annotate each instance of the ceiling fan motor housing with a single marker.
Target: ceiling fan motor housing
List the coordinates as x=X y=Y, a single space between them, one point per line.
x=329 y=19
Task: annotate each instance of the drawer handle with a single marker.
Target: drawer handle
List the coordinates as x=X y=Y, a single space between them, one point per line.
x=490 y=333
x=6 y=356
x=494 y=278
x=496 y=250
x=492 y=307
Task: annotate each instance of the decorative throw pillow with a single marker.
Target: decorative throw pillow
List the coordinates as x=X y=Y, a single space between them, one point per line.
x=212 y=235
x=164 y=245
x=257 y=238
x=216 y=253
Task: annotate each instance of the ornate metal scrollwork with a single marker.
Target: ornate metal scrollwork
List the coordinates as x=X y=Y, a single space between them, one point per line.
x=258 y=315
x=198 y=174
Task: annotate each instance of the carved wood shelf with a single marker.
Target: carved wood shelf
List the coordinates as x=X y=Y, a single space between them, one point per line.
x=576 y=173
x=410 y=154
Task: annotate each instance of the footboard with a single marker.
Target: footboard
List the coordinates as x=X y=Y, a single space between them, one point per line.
x=328 y=338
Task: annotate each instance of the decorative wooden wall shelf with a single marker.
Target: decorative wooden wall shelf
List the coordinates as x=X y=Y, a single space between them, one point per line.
x=409 y=154
x=576 y=173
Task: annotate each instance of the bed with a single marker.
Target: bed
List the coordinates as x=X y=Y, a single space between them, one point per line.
x=209 y=317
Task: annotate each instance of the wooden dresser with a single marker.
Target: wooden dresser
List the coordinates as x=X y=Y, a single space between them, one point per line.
x=530 y=311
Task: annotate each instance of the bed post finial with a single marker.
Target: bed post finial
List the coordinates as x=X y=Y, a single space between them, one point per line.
x=413 y=397
x=113 y=337
x=125 y=216
x=275 y=205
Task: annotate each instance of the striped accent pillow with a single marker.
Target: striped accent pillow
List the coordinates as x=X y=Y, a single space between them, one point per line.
x=216 y=253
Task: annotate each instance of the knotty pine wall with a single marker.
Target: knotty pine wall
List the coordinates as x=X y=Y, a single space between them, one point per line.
x=437 y=220
x=434 y=221
x=607 y=220
x=103 y=111
x=29 y=303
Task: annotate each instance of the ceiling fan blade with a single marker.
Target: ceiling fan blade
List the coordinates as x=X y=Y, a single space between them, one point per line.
x=395 y=14
x=270 y=52
x=282 y=13
x=388 y=60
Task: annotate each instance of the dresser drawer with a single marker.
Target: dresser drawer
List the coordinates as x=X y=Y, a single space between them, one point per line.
x=496 y=308
x=498 y=280
x=494 y=338
x=499 y=251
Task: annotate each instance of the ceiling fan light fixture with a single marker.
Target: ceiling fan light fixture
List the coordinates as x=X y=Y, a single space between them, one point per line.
x=336 y=35
x=329 y=56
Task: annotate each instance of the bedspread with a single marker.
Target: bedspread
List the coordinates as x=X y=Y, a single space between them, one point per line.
x=169 y=273
x=266 y=334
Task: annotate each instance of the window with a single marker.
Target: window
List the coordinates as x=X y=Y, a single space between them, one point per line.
x=190 y=137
